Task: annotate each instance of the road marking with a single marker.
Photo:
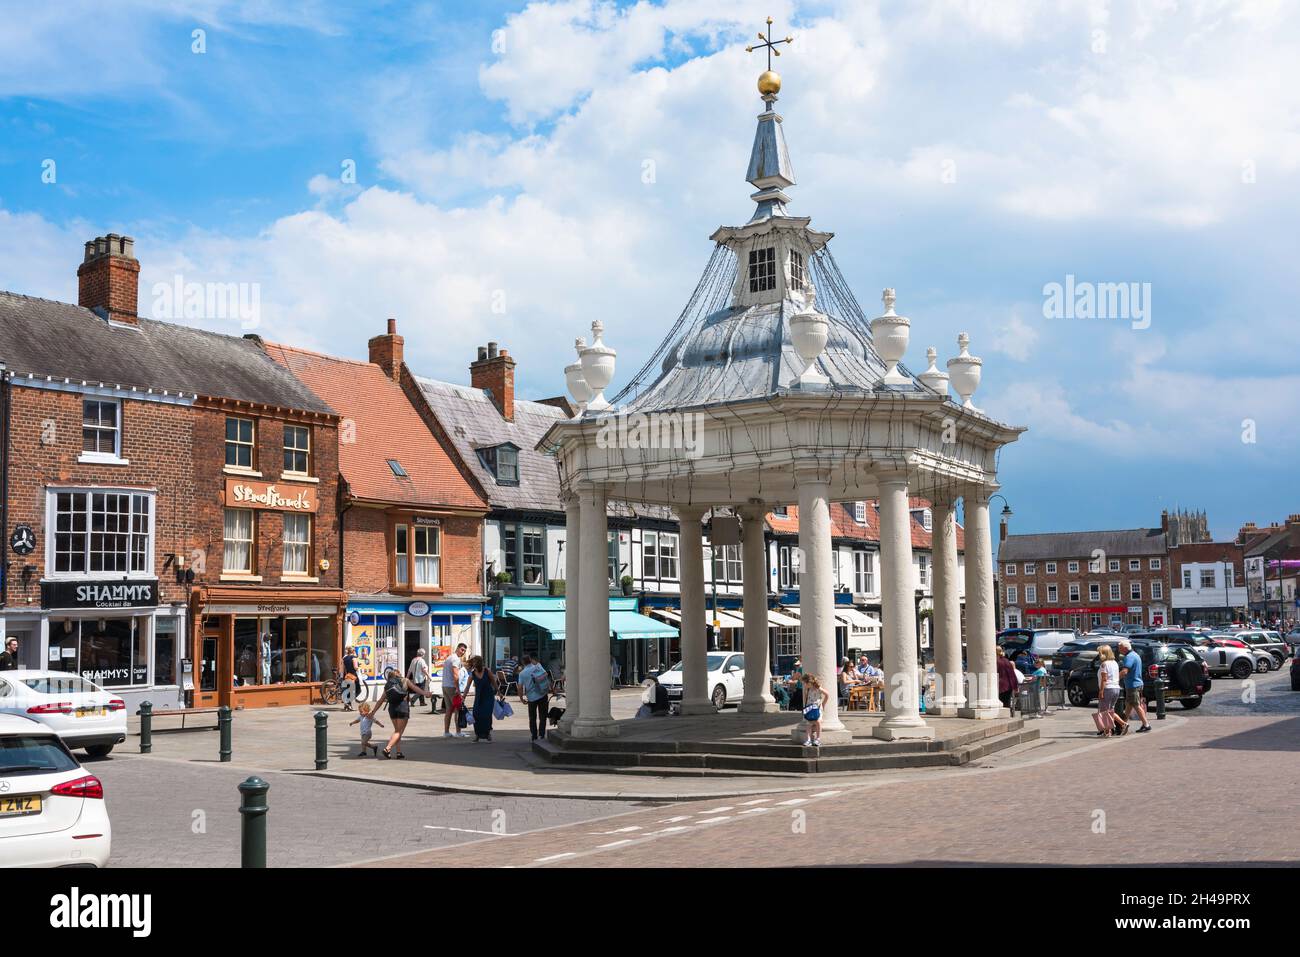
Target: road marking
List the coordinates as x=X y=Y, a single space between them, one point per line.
x=671 y=830
x=716 y=810
x=757 y=810
x=626 y=840
x=468 y=830
x=555 y=857
x=826 y=794
x=759 y=801
x=714 y=820
x=788 y=803
x=674 y=820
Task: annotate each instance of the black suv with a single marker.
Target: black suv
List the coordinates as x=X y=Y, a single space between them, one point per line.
x=1187 y=677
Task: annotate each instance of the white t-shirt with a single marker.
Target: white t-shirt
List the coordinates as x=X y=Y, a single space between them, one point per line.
x=1111 y=670
x=449 y=667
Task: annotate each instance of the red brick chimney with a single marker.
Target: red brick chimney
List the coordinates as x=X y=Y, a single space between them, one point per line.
x=108 y=280
x=495 y=371
x=386 y=351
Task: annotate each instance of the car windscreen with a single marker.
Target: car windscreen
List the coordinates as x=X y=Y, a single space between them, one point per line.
x=33 y=754
x=60 y=684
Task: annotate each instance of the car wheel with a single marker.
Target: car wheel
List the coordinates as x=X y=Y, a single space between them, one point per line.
x=719 y=697
x=1265 y=665
x=1189 y=703
x=1240 y=669
x=1078 y=697
x=99 y=750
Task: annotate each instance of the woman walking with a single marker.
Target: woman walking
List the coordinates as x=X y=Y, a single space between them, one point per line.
x=397 y=687
x=484 y=684
x=1007 y=680
x=1108 y=691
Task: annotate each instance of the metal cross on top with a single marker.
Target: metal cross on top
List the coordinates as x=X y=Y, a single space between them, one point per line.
x=769 y=44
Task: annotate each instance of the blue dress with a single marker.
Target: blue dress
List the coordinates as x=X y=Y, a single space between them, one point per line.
x=484 y=698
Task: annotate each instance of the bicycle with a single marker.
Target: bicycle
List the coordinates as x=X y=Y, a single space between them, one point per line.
x=332 y=691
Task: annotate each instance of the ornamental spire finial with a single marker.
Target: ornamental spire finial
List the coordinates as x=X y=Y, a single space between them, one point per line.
x=769 y=82
x=770 y=170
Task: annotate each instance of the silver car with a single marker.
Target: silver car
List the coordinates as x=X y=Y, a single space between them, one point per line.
x=1227 y=659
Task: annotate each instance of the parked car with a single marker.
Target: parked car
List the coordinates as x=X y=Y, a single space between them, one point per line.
x=52 y=812
x=1270 y=642
x=1230 y=657
x=1187 y=675
x=1040 y=642
x=1085 y=645
x=79 y=711
x=726 y=679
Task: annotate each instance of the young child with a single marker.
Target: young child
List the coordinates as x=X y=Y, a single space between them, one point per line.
x=814 y=696
x=366 y=720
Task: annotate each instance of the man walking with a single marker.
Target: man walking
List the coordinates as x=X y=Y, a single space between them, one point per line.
x=534 y=690
x=452 y=670
x=9 y=657
x=351 y=677
x=1130 y=679
x=418 y=673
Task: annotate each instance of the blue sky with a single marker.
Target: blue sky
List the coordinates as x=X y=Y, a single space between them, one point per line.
x=966 y=153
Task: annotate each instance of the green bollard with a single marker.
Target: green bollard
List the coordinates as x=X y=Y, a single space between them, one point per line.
x=252 y=832
x=1161 y=684
x=146 y=727
x=322 y=753
x=223 y=725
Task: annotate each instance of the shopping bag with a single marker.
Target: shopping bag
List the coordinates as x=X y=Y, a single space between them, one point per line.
x=501 y=709
x=462 y=719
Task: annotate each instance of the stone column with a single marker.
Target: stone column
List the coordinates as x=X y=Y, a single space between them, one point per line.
x=898 y=648
x=947 y=612
x=981 y=629
x=753 y=552
x=594 y=719
x=695 y=668
x=572 y=606
x=817 y=601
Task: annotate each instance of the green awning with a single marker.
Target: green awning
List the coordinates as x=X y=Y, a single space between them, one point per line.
x=627 y=625
x=552 y=621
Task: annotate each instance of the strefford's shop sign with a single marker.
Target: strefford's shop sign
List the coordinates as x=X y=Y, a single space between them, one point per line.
x=108 y=594
x=241 y=493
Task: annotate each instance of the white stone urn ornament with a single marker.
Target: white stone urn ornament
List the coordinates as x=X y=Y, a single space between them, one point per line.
x=933 y=378
x=964 y=371
x=575 y=380
x=809 y=333
x=890 y=333
x=597 y=367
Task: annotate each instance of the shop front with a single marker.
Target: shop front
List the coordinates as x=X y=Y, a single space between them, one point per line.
x=113 y=632
x=535 y=626
x=386 y=631
x=263 y=648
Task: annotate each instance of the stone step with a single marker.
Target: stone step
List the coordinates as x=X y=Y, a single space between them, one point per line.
x=790 y=760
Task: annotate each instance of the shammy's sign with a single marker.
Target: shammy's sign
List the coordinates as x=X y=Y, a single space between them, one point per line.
x=101 y=594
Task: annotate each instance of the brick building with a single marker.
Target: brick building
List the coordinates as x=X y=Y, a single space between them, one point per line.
x=411 y=520
x=1209 y=583
x=1085 y=580
x=132 y=546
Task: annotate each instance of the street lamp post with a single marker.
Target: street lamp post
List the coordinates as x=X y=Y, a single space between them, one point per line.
x=997 y=564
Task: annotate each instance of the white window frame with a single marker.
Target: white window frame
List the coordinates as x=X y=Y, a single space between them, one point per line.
x=860 y=512
x=1094 y=591
x=1012 y=595
x=1051 y=568
x=99 y=457
x=1031 y=594
x=1155 y=564
x=252 y=543
x=51 y=539
x=293 y=546
x=434 y=533
x=1074 y=591
x=1053 y=593
x=923 y=570
x=1135 y=591
x=1112 y=565
x=295 y=450
x=1116 y=592
x=1011 y=569
x=864 y=573
x=669 y=551
x=1031 y=568
x=1157 y=590
x=239 y=443
x=1072 y=568
x=1135 y=564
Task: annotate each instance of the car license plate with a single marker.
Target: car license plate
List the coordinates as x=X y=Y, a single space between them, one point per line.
x=674 y=692
x=18 y=805
x=91 y=712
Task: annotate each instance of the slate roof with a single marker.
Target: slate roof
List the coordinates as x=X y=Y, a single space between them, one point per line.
x=1080 y=545
x=385 y=426
x=58 y=339
x=472 y=422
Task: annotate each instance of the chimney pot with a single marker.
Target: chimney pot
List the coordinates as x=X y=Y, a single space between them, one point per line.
x=108 y=279
x=482 y=353
x=492 y=350
x=495 y=372
x=386 y=351
x=392 y=327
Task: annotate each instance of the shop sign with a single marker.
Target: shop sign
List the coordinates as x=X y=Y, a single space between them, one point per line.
x=270 y=495
x=115 y=677
x=417 y=609
x=102 y=594
x=269 y=608
x=427 y=521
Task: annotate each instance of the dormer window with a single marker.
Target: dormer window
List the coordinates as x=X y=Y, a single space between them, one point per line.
x=797 y=280
x=762 y=269
x=860 y=512
x=503 y=462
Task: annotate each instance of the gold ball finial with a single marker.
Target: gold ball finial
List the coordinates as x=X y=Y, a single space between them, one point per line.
x=769 y=82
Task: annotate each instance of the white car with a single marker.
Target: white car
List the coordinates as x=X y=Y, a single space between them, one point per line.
x=80 y=712
x=726 y=682
x=52 y=812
